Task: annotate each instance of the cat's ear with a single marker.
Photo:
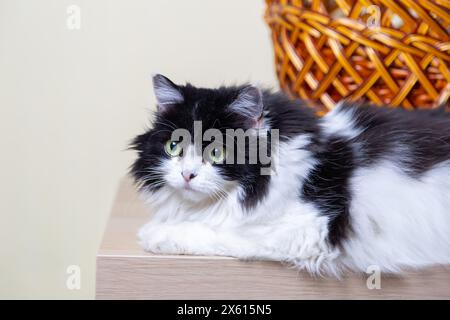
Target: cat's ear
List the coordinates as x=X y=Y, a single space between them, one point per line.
x=167 y=93
x=249 y=103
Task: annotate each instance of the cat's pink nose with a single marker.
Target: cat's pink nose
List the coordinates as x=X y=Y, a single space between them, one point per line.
x=188 y=176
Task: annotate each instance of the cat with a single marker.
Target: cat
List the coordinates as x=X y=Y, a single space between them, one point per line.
x=361 y=186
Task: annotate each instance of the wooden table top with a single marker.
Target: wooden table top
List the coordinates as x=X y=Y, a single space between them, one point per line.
x=124 y=270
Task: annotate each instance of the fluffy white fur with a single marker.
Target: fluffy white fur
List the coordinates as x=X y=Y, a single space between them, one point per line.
x=397 y=221
x=405 y=222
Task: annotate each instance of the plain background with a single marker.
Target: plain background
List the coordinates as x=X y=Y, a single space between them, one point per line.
x=70 y=101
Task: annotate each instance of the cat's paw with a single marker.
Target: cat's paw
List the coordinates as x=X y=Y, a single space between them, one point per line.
x=160 y=239
x=186 y=238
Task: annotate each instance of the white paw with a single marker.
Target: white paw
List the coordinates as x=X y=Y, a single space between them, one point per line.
x=185 y=238
x=160 y=239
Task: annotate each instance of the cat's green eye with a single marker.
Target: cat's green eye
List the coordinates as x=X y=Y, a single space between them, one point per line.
x=217 y=155
x=173 y=148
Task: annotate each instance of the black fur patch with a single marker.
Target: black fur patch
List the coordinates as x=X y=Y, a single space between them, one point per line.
x=291 y=117
x=327 y=186
x=416 y=140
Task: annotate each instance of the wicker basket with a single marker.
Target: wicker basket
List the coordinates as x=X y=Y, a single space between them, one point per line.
x=389 y=52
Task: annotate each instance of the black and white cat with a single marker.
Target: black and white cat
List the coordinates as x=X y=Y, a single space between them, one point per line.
x=359 y=187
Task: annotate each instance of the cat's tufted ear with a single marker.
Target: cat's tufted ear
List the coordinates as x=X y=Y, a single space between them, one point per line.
x=249 y=103
x=167 y=93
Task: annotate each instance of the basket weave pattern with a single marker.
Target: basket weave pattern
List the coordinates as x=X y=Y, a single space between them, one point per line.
x=388 y=52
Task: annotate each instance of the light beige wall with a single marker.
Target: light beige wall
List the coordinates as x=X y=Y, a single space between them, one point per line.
x=70 y=100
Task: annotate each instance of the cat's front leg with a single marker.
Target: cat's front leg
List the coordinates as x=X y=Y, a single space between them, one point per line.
x=196 y=238
x=178 y=238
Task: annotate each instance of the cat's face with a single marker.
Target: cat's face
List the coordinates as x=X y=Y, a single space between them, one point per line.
x=192 y=167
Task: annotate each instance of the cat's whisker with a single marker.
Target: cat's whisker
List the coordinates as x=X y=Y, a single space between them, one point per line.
x=170 y=125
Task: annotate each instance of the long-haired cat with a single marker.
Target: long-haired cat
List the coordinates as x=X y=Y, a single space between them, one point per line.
x=361 y=186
